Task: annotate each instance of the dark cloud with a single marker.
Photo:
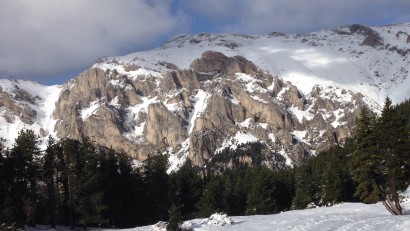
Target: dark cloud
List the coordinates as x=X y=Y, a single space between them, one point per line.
x=43 y=38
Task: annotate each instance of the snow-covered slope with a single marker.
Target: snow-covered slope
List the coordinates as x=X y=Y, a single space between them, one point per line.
x=349 y=57
x=26 y=105
x=345 y=216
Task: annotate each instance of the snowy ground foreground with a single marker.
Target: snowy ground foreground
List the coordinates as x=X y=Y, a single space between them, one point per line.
x=346 y=216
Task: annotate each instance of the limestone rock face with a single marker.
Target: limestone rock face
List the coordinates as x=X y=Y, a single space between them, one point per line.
x=163 y=129
x=14 y=105
x=210 y=61
x=220 y=102
x=90 y=106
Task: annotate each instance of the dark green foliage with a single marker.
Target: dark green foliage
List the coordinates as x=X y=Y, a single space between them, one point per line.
x=261 y=198
x=380 y=163
x=234 y=193
x=324 y=179
x=122 y=190
x=211 y=200
x=185 y=188
x=49 y=177
x=156 y=191
x=77 y=184
x=175 y=218
x=305 y=187
x=73 y=184
x=21 y=201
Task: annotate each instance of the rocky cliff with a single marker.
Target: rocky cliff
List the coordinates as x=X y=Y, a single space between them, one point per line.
x=194 y=113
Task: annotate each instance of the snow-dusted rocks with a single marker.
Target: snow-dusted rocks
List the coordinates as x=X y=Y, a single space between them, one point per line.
x=26 y=105
x=221 y=102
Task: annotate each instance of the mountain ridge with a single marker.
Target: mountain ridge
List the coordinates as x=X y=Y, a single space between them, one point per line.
x=198 y=94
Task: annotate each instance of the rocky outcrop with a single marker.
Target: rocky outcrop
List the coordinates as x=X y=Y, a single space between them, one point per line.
x=162 y=128
x=15 y=103
x=195 y=112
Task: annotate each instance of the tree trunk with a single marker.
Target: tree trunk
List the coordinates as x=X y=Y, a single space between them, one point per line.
x=394 y=207
x=388 y=208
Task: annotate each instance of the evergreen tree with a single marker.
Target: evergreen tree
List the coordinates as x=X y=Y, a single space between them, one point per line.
x=380 y=161
x=261 y=195
x=91 y=204
x=156 y=188
x=365 y=160
x=21 y=203
x=175 y=218
x=72 y=174
x=392 y=146
x=234 y=192
x=211 y=200
x=185 y=189
x=305 y=187
x=3 y=183
x=50 y=176
x=122 y=190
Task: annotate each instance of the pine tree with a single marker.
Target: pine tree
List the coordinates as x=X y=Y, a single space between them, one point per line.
x=22 y=200
x=305 y=187
x=211 y=200
x=72 y=182
x=49 y=176
x=392 y=145
x=175 y=218
x=91 y=205
x=261 y=196
x=185 y=189
x=365 y=161
x=157 y=188
x=234 y=192
x=380 y=161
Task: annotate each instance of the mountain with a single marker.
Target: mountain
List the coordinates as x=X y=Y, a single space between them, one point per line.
x=197 y=95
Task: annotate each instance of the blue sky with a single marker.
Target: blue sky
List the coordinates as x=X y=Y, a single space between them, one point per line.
x=51 y=41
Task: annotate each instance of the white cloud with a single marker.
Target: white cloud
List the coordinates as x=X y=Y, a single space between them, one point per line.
x=262 y=16
x=45 y=38
x=50 y=37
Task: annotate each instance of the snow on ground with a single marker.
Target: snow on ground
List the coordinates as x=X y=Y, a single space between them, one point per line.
x=345 y=216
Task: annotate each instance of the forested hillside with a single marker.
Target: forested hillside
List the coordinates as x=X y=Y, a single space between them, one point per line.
x=80 y=184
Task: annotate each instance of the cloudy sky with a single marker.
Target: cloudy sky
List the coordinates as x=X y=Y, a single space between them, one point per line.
x=51 y=41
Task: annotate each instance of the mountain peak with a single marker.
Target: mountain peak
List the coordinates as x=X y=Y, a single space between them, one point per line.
x=199 y=94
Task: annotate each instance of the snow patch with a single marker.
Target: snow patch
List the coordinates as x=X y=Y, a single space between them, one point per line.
x=288 y=161
x=299 y=114
x=200 y=103
x=301 y=136
x=91 y=110
x=238 y=139
x=217 y=219
x=177 y=160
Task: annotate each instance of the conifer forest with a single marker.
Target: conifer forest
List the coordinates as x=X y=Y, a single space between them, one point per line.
x=79 y=184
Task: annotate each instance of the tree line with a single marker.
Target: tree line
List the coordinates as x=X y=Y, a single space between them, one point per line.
x=78 y=184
